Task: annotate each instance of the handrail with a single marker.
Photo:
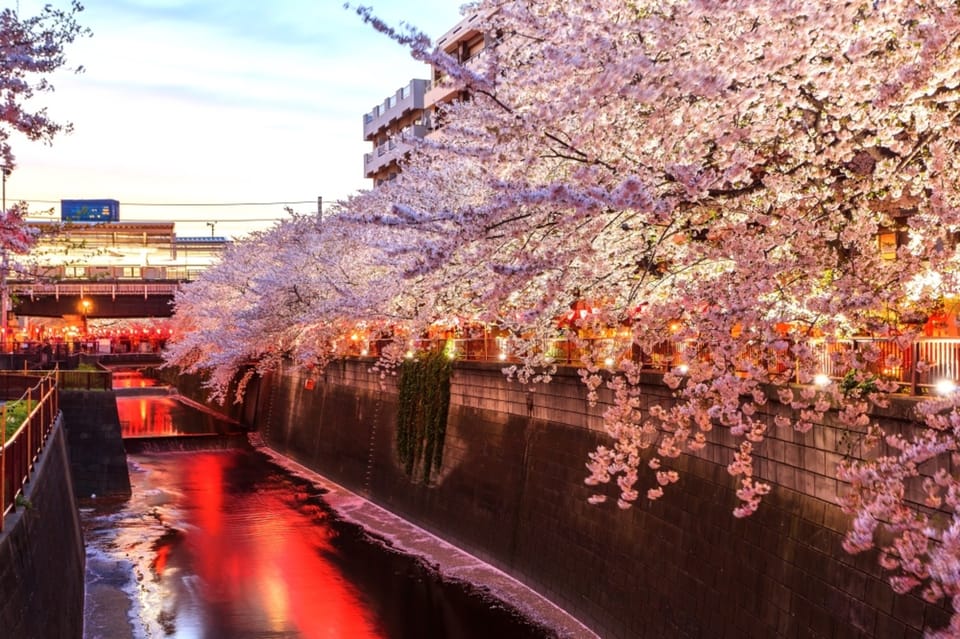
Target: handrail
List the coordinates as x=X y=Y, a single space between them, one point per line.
x=918 y=366
x=19 y=454
x=84 y=380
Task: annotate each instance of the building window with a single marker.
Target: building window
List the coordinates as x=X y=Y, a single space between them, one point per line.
x=75 y=272
x=132 y=272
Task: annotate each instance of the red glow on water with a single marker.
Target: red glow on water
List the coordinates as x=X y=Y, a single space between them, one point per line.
x=145 y=417
x=258 y=554
x=160 y=558
x=131 y=379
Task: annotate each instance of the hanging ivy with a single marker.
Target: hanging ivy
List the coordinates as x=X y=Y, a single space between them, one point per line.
x=422 y=407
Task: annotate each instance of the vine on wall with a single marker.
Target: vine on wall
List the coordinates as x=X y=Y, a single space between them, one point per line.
x=423 y=403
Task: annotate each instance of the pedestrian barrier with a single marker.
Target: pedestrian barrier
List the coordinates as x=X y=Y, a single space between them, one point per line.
x=25 y=423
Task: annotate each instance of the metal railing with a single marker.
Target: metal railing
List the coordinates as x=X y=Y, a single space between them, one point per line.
x=19 y=452
x=84 y=380
x=919 y=366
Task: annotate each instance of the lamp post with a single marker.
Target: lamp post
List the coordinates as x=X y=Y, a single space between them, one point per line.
x=4 y=265
x=85 y=307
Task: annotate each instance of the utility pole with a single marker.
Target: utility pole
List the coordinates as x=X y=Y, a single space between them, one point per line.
x=4 y=265
x=320 y=208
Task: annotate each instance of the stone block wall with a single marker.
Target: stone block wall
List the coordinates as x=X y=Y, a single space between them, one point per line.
x=511 y=491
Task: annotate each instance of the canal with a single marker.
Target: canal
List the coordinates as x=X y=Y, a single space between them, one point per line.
x=218 y=541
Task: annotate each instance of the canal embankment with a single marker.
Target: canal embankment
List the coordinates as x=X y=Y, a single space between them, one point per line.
x=41 y=552
x=510 y=491
x=98 y=459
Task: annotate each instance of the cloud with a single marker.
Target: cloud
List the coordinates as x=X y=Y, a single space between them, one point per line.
x=217 y=101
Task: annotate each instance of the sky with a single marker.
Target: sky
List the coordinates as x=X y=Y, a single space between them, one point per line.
x=215 y=103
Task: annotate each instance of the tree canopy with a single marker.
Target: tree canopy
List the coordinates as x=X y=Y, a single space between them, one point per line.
x=700 y=171
x=31 y=48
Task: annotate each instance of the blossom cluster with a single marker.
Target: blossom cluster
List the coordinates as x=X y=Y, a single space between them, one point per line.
x=697 y=171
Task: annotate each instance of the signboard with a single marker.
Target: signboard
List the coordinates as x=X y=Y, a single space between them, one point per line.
x=89 y=211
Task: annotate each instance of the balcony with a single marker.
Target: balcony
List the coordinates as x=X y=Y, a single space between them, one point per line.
x=441 y=91
x=392 y=150
x=405 y=100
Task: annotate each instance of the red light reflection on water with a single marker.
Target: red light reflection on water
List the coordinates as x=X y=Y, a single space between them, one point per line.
x=261 y=559
x=131 y=379
x=146 y=417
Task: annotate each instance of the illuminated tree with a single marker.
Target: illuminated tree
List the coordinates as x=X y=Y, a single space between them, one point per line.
x=31 y=49
x=706 y=172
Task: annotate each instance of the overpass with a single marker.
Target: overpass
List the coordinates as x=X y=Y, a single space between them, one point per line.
x=107 y=299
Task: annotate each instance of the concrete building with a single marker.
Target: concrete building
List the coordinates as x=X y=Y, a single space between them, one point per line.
x=117 y=251
x=410 y=114
x=464 y=42
x=392 y=127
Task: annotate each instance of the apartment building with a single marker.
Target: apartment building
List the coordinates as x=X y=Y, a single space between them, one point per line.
x=392 y=127
x=464 y=42
x=410 y=114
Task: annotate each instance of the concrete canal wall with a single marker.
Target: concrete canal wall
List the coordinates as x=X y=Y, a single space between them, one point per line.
x=511 y=491
x=41 y=554
x=97 y=456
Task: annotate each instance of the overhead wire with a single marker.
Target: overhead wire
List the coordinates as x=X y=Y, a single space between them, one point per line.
x=194 y=204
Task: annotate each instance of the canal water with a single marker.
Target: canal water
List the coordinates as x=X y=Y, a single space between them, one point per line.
x=220 y=543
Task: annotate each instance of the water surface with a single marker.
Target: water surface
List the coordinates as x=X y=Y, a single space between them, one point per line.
x=223 y=544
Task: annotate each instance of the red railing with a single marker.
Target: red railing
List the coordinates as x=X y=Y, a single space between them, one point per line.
x=919 y=366
x=20 y=452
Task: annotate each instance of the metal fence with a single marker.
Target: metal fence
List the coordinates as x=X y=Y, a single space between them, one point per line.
x=84 y=380
x=19 y=452
x=919 y=366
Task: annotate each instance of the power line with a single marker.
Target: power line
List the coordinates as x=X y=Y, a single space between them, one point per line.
x=190 y=203
x=187 y=219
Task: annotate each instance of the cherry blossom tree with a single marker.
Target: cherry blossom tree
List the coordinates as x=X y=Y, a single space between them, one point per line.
x=703 y=172
x=31 y=48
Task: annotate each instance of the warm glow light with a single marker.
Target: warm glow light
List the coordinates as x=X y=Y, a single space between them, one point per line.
x=502 y=356
x=945 y=387
x=409 y=354
x=363 y=352
x=608 y=362
x=821 y=379
x=682 y=369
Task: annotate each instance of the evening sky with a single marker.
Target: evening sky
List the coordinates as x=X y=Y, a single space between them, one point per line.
x=187 y=102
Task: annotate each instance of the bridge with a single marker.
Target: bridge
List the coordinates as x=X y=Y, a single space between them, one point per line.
x=120 y=269
x=106 y=299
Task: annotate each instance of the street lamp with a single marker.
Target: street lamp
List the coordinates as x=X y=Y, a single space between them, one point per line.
x=4 y=265
x=85 y=307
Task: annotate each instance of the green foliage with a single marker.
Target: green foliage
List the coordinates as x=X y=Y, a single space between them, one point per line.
x=17 y=412
x=423 y=404
x=858 y=384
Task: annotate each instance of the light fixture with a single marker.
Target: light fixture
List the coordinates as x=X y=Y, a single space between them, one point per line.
x=945 y=387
